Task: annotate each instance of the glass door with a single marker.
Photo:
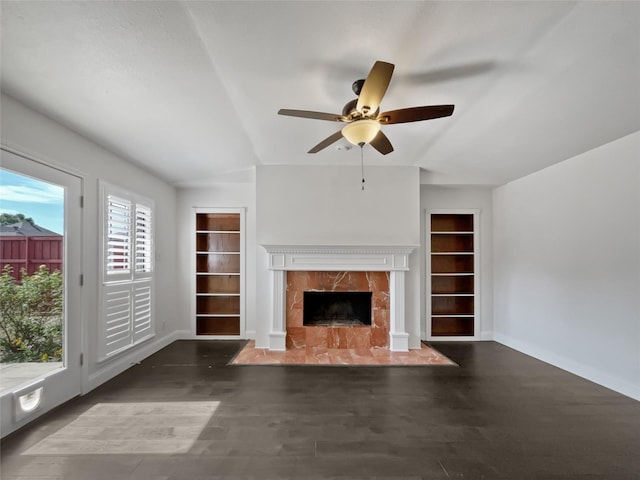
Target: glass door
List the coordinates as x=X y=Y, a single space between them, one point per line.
x=40 y=289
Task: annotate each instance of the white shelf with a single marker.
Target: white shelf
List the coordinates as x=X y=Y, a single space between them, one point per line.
x=217 y=273
x=452 y=253
x=217 y=253
x=466 y=274
x=217 y=315
x=217 y=231
x=453 y=295
x=217 y=294
x=452 y=233
x=451 y=315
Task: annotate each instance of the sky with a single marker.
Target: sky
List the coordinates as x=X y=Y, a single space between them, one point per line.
x=44 y=202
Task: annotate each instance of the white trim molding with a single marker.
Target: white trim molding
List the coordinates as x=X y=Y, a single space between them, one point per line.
x=367 y=258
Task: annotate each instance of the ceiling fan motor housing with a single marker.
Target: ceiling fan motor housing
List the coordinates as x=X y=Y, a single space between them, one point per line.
x=351 y=112
x=350 y=108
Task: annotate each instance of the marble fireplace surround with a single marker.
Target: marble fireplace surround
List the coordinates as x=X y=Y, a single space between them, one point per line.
x=389 y=258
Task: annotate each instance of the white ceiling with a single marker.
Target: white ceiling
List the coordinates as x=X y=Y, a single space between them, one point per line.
x=191 y=90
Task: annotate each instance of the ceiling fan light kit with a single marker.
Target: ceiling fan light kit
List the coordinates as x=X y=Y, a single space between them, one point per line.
x=361 y=131
x=362 y=115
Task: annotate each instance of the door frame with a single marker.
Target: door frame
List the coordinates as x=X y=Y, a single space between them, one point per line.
x=61 y=385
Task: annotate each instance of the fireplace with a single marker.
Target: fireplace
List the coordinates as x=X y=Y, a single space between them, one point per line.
x=336 y=309
x=376 y=269
x=337 y=294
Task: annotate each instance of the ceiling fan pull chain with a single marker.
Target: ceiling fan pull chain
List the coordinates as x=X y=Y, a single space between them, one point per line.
x=362 y=163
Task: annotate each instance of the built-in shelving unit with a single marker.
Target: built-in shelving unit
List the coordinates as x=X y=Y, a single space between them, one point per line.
x=218 y=265
x=453 y=268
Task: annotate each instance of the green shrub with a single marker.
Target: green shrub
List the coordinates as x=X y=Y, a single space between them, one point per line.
x=31 y=316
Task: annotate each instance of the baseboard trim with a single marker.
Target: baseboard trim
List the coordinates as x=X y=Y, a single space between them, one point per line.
x=589 y=373
x=127 y=360
x=486 y=335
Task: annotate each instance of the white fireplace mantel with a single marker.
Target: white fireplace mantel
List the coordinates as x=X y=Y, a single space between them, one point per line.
x=386 y=258
x=339 y=257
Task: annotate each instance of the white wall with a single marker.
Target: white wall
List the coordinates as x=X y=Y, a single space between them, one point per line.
x=222 y=195
x=326 y=205
x=40 y=138
x=318 y=205
x=567 y=265
x=436 y=197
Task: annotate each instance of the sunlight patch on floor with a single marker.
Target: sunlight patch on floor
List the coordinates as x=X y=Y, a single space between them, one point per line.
x=135 y=428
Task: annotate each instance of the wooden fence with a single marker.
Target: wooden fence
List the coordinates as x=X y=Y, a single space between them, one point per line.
x=30 y=253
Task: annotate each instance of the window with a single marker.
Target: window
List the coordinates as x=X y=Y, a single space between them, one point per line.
x=127 y=270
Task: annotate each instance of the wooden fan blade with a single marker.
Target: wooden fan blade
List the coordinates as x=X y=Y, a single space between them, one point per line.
x=374 y=88
x=381 y=143
x=332 y=117
x=415 y=114
x=326 y=142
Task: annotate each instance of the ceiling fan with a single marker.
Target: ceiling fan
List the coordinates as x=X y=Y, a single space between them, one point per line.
x=362 y=115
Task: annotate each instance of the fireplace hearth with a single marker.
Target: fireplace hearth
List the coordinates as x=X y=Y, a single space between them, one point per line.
x=332 y=309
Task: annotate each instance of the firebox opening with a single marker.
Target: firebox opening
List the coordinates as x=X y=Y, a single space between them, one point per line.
x=336 y=308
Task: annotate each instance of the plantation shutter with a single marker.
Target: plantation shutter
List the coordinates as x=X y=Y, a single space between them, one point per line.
x=143 y=270
x=127 y=271
x=143 y=240
x=117 y=310
x=141 y=310
x=118 y=236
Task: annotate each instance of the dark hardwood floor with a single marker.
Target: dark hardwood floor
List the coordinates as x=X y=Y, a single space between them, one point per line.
x=500 y=415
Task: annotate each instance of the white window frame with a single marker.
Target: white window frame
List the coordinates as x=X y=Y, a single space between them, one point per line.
x=126 y=296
